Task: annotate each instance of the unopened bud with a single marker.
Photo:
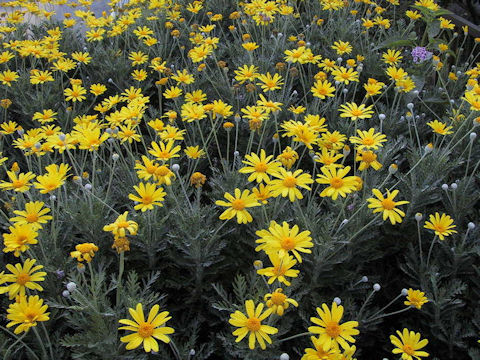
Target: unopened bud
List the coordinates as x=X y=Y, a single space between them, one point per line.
x=382 y=117
x=175 y=167
x=258 y=264
x=418 y=217
x=404 y=292
x=453 y=186
x=473 y=136
x=471 y=226
x=376 y=287
x=71 y=286
x=364 y=279
x=115 y=157
x=445 y=187
x=410 y=106
x=284 y=356
x=337 y=300
x=88 y=187
x=66 y=293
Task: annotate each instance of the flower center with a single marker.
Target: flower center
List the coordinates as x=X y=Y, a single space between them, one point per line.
x=253 y=324
x=151 y=169
x=407 y=349
x=238 y=204
x=23 y=278
x=21 y=238
x=31 y=316
x=123 y=224
x=388 y=204
x=31 y=218
x=147 y=199
x=368 y=141
x=356 y=112
x=369 y=157
x=145 y=330
x=289 y=181
x=440 y=228
x=288 y=243
x=261 y=167
x=278 y=298
x=162 y=171
x=336 y=182
x=333 y=329
x=17 y=184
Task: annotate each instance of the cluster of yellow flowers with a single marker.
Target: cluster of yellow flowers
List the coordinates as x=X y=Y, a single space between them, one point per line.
x=193 y=120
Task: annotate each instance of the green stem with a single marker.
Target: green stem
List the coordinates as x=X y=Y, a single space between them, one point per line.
x=294 y=336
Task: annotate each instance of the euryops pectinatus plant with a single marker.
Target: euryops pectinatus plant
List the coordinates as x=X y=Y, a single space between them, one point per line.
x=239 y=180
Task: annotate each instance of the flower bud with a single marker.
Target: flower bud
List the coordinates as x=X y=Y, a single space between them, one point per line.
x=428 y=148
x=53 y=197
x=376 y=287
x=337 y=300
x=284 y=356
x=392 y=169
x=62 y=137
x=258 y=264
x=404 y=292
x=175 y=167
x=410 y=106
x=418 y=217
x=71 y=286
x=382 y=117
x=364 y=279
x=115 y=157
x=445 y=187
x=471 y=226
x=192 y=352
x=473 y=136
x=66 y=293
x=453 y=186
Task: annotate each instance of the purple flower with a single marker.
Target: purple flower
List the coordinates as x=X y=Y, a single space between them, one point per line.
x=420 y=54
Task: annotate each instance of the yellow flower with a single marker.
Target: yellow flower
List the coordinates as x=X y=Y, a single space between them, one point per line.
x=250 y=46
x=85 y=251
x=183 y=77
x=355 y=112
x=139 y=75
x=387 y=206
x=440 y=128
x=339 y=183
x=281 y=269
x=287 y=183
x=323 y=89
x=98 y=89
x=408 y=343
x=367 y=159
x=145 y=332
x=33 y=215
x=368 y=139
x=259 y=167
x=26 y=313
x=75 y=93
x=441 y=224
x=342 y=47
x=47 y=115
x=8 y=76
x=415 y=298
x=329 y=329
x=282 y=239
x=320 y=351
x=19 y=239
x=288 y=157
x=392 y=57
x=148 y=196
x=23 y=277
x=122 y=226
x=344 y=75
x=197 y=179
x=269 y=82
x=252 y=324
x=172 y=93
x=53 y=178
x=194 y=152
x=164 y=151
x=279 y=302
x=237 y=206
x=18 y=182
